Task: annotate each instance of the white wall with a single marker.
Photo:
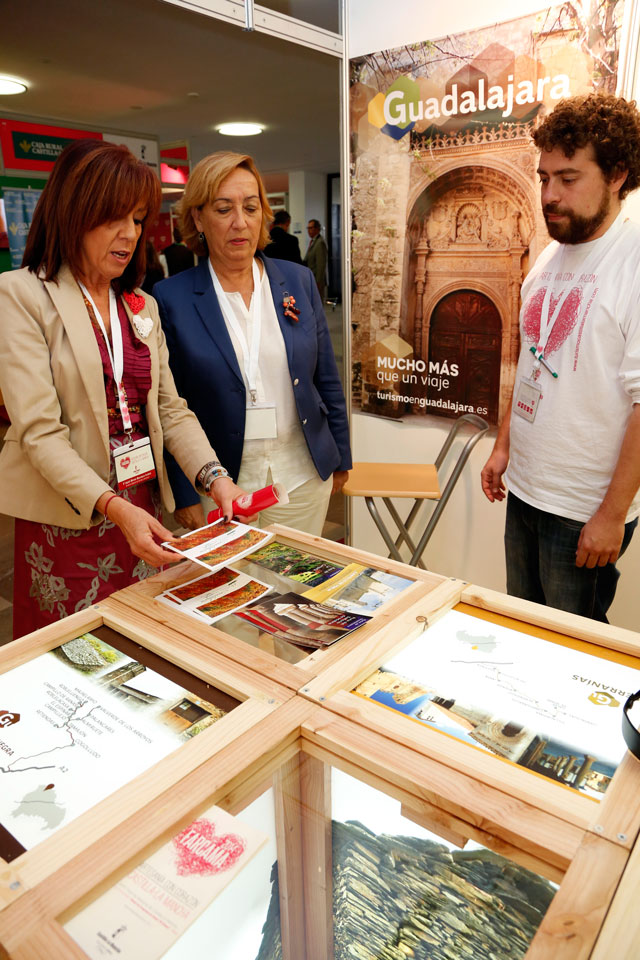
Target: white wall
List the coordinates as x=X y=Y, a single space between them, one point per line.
x=468 y=540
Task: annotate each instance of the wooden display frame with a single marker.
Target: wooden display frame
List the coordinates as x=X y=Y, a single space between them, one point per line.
x=298 y=744
x=260 y=697
x=393 y=617
x=616 y=818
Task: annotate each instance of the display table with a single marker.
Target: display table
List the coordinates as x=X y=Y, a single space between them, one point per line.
x=401 y=814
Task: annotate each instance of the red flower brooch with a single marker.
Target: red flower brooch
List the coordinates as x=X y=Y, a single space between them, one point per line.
x=143 y=325
x=290 y=309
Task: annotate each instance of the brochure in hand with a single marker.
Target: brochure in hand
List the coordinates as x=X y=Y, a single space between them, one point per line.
x=216 y=544
x=291 y=617
x=215 y=595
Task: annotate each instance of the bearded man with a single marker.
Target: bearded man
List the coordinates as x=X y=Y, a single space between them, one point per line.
x=569 y=446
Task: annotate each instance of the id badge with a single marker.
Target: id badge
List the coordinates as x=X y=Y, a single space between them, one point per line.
x=134 y=463
x=527 y=400
x=260 y=422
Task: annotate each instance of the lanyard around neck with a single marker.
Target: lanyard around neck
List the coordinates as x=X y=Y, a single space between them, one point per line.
x=548 y=318
x=250 y=352
x=116 y=353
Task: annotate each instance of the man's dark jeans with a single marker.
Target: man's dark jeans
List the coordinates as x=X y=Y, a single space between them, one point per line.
x=541 y=549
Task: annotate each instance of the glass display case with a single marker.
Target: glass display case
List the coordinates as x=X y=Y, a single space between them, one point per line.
x=98 y=714
x=361 y=852
x=318 y=571
x=448 y=781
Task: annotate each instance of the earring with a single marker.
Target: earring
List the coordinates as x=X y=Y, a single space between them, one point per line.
x=201 y=237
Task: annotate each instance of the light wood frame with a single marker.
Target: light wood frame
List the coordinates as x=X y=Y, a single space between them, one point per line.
x=298 y=744
x=140 y=597
x=259 y=697
x=615 y=819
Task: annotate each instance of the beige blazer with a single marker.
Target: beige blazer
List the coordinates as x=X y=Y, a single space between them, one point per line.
x=55 y=461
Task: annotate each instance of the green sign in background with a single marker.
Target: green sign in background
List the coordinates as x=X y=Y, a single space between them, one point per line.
x=38 y=146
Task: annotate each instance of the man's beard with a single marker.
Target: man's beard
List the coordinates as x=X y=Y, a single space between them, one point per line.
x=575 y=228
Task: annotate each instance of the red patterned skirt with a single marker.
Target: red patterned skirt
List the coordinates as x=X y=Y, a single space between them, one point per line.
x=58 y=571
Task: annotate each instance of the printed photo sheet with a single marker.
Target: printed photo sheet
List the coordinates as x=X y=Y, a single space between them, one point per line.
x=216 y=544
x=76 y=724
x=215 y=595
x=151 y=907
x=548 y=707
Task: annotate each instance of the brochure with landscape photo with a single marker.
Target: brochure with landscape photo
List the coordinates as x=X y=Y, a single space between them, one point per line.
x=216 y=544
x=359 y=589
x=547 y=707
x=293 y=563
x=152 y=906
x=291 y=617
x=215 y=595
x=80 y=721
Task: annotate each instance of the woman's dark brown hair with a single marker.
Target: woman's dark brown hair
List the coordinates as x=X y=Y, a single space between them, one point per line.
x=92 y=182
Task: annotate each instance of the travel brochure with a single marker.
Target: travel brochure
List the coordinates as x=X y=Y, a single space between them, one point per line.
x=77 y=723
x=358 y=589
x=151 y=907
x=216 y=544
x=215 y=595
x=547 y=707
x=291 y=617
x=292 y=563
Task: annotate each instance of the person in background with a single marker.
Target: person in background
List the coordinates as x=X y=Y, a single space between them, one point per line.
x=177 y=256
x=84 y=371
x=570 y=442
x=316 y=256
x=250 y=350
x=283 y=245
x=153 y=271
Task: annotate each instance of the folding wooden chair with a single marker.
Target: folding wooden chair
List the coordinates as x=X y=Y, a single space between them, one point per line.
x=420 y=481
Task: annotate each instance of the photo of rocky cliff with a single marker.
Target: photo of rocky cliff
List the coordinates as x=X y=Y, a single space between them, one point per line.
x=399 y=897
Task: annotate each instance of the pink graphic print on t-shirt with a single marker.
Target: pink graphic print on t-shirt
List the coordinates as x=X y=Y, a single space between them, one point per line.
x=564 y=324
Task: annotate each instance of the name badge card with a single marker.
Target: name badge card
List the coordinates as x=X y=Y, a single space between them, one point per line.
x=260 y=422
x=527 y=400
x=134 y=463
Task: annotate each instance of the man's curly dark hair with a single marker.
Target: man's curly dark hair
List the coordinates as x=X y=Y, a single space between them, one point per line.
x=610 y=124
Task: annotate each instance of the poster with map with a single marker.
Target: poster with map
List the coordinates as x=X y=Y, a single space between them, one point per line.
x=550 y=708
x=76 y=724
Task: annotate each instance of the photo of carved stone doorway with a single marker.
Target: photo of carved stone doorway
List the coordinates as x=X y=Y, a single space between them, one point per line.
x=465 y=331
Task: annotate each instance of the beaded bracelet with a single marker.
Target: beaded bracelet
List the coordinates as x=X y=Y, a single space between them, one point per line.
x=209 y=474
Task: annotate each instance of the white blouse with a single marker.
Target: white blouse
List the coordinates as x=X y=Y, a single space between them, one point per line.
x=287 y=454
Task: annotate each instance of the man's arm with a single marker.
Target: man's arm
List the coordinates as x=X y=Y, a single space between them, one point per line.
x=491 y=476
x=601 y=536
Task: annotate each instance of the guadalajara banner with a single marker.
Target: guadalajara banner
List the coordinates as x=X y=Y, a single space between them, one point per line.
x=446 y=216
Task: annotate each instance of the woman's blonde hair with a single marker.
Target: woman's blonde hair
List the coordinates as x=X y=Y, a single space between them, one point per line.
x=202 y=187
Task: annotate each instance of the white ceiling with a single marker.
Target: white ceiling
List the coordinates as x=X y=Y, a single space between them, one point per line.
x=130 y=65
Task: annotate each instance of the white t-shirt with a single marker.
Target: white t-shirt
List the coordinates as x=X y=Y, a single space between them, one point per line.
x=563 y=462
x=287 y=455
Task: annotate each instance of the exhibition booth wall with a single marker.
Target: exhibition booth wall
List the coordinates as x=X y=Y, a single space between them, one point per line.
x=467 y=542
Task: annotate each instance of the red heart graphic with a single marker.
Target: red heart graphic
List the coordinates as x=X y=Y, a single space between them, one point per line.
x=564 y=324
x=125 y=461
x=200 y=851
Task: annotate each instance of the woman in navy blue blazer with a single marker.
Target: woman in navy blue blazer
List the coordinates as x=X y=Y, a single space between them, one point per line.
x=250 y=352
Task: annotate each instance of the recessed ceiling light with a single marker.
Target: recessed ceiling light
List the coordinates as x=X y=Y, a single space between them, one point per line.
x=10 y=86
x=240 y=129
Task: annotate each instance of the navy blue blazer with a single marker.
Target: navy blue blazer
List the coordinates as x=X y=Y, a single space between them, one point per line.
x=207 y=375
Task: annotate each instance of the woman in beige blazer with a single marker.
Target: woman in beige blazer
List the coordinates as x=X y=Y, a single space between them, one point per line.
x=83 y=372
